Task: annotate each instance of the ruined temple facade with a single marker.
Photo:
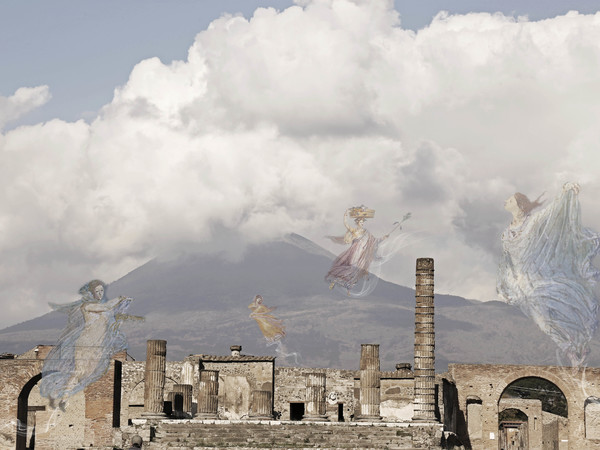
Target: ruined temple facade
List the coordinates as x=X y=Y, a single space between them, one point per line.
x=246 y=401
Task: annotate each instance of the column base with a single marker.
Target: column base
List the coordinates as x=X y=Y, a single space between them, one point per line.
x=310 y=418
x=154 y=415
x=265 y=417
x=368 y=419
x=181 y=415
x=424 y=420
x=206 y=416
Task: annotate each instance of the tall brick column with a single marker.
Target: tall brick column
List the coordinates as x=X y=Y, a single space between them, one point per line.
x=424 y=343
x=208 y=394
x=154 y=377
x=370 y=383
x=316 y=406
x=262 y=405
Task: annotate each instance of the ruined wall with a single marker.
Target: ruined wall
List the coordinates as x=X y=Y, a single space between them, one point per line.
x=14 y=374
x=237 y=379
x=555 y=431
x=592 y=418
x=487 y=382
x=87 y=418
x=397 y=396
x=532 y=408
x=132 y=387
x=342 y=387
x=290 y=387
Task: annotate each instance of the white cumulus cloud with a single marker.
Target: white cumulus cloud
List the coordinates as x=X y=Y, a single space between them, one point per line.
x=278 y=123
x=21 y=102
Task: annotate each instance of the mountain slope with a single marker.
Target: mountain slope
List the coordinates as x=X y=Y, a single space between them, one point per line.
x=199 y=304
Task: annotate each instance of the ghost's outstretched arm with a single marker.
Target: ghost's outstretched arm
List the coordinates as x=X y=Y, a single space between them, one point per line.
x=129 y=317
x=65 y=307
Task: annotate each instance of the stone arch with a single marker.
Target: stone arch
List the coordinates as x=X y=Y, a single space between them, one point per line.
x=22 y=407
x=516 y=381
x=536 y=372
x=513 y=413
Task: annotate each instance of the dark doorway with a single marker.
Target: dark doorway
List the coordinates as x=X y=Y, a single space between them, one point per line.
x=513 y=436
x=296 y=411
x=340 y=412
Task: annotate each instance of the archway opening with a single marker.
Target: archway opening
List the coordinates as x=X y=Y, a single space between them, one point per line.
x=23 y=412
x=532 y=413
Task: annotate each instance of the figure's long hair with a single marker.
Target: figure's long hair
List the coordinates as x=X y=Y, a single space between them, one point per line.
x=87 y=290
x=527 y=205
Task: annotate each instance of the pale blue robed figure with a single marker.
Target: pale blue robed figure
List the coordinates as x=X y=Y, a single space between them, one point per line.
x=546 y=269
x=87 y=344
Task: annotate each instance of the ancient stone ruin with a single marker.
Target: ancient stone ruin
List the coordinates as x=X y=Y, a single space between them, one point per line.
x=246 y=401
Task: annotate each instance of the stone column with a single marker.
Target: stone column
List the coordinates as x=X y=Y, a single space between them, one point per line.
x=424 y=343
x=187 y=373
x=182 y=400
x=316 y=407
x=154 y=378
x=208 y=394
x=370 y=383
x=262 y=405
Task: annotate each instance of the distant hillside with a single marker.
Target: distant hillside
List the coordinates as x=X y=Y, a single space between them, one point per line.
x=199 y=304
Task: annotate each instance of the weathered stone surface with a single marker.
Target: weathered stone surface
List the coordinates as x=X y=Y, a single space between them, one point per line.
x=315 y=396
x=487 y=382
x=156 y=354
x=208 y=399
x=262 y=404
x=424 y=404
x=87 y=416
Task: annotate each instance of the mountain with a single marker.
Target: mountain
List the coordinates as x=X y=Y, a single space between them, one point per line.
x=199 y=304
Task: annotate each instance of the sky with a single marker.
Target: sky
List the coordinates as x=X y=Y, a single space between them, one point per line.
x=131 y=130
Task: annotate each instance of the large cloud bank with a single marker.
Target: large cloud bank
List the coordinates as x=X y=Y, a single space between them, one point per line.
x=278 y=123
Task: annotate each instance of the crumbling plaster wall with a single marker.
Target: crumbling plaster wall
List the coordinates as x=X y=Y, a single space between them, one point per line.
x=87 y=418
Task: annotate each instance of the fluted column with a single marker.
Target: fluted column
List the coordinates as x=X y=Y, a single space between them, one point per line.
x=262 y=405
x=370 y=383
x=316 y=406
x=208 y=394
x=424 y=343
x=154 y=378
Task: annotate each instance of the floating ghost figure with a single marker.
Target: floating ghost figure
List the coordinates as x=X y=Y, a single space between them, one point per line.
x=87 y=344
x=546 y=269
x=271 y=327
x=350 y=270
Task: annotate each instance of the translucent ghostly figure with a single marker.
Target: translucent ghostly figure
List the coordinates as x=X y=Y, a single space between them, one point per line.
x=351 y=269
x=546 y=269
x=87 y=344
x=271 y=327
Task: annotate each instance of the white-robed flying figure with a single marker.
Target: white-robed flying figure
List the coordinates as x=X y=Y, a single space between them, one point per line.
x=87 y=344
x=546 y=269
